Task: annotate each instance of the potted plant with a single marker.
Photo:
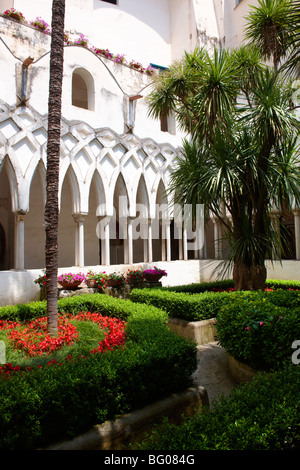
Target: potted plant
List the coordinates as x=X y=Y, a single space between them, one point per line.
x=134 y=275
x=149 y=70
x=154 y=274
x=41 y=25
x=67 y=38
x=90 y=279
x=70 y=280
x=16 y=15
x=105 y=52
x=119 y=59
x=41 y=280
x=137 y=66
x=82 y=41
x=101 y=280
x=115 y=280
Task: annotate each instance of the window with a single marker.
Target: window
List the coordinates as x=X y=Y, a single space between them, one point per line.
x=83 y=94
x=168 y=123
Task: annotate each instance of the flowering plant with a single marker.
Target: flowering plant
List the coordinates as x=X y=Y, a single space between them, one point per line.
x=13 y=13
x=136 y=65
x=105 y=52
x=149 y=70
x=116 y=277
x=67 y=38
x=82 y=41
x=119 y=59
x=135 y=274
x=155 y=271
x=100 y=279
x=40 y=24
x=69 y=278
x=33 y=339
x=41 y=280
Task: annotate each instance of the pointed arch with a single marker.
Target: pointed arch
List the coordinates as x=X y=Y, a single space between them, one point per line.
x=71 y=177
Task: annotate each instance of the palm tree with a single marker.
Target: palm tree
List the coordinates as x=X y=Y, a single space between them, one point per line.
x=271 y=25
x=236 y=159
x=53 y=158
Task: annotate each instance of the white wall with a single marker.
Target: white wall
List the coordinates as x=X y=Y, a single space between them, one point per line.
x=138 y=29
x=19 y=287
x=234 y=21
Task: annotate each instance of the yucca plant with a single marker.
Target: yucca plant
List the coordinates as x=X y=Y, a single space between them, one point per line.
x=241 y=159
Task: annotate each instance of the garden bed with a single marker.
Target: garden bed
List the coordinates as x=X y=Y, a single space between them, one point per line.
x=61 y=400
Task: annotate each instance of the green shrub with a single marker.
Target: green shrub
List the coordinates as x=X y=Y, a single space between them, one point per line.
x=180 y=305
x=197 y=288
x=260 y=331
x=260 y=415
x=60 y=401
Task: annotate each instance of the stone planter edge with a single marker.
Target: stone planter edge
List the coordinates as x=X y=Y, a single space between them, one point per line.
x=113 y=435
x=240 y=372
x=202 y=332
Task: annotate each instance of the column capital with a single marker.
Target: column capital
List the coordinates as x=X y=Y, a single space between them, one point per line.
x=20 y=214
x=80 y=217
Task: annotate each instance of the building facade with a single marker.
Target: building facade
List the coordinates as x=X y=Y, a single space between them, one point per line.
x=115 y=160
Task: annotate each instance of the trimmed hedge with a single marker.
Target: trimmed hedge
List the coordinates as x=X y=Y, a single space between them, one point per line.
x=207 y=305
x=260 y=331
x=261 y=415
x=180 y=305
x=60 y=401
x=197 y=288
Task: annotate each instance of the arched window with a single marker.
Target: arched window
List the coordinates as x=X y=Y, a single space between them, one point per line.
x=83 y=90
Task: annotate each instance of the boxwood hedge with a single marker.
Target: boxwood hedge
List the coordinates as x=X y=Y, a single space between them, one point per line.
x=196 y=288
x=263 y=414
x=203 y=306
x=61 y=400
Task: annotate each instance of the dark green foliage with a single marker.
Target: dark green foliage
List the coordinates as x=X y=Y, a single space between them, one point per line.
x=180 y=305
x=259 y=331
x=260 y=415
x=60 y=401
x=197 y=288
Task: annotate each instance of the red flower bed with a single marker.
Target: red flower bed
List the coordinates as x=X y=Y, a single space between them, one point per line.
x=34 y=340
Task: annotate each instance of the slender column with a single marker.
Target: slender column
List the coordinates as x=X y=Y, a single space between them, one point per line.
x=103 y=234
x=297 y=232
x=163 y=240
x=107 y=243
x=130 y=241
x=19 y=261
x=168 y=239
x=150 y=251
x=185 y=250
x=79 y=239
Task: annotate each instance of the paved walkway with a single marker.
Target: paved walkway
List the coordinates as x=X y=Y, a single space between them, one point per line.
x=212 y=372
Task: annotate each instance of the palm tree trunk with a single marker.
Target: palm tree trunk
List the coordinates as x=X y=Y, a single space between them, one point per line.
x=249 y=277
x=53 y=157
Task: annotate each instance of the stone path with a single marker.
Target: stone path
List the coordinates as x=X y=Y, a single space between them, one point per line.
x=212 y=372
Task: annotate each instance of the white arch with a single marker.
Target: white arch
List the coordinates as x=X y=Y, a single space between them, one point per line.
x=13 y=184
x=71 y=174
